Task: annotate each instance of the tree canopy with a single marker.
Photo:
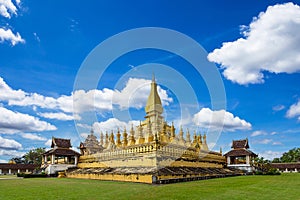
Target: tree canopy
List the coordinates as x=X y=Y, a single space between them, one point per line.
x=34 y=156
x=292 y=155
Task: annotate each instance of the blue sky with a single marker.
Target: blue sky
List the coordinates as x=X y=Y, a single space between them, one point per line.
x=254 y=45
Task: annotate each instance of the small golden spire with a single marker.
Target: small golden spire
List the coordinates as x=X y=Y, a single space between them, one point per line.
x=119 y=144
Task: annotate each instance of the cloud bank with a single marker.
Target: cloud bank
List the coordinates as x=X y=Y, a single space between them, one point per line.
x=220 y=119
x=271 y=43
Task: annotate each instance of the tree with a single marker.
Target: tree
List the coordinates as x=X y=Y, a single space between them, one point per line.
x=276 y=160
x=292 y=155
x=34 y=156
x=261 y=164
x=18 y=160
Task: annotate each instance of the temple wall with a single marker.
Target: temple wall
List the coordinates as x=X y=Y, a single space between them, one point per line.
x=140 y=178
x=181 y=163
x=146 y=160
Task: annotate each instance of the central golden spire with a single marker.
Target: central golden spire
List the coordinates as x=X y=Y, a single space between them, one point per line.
x=153 y=106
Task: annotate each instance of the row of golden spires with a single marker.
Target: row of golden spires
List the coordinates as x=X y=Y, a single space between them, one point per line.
x=131 y=139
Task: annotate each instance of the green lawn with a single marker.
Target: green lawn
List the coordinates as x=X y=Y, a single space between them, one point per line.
x=286 y=186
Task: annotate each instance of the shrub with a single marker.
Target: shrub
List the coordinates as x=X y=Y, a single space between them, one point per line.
x=258 y=173
x=273 y=171
x=24 y=175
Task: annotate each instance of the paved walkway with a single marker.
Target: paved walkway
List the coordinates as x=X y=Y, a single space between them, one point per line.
x=9 y=177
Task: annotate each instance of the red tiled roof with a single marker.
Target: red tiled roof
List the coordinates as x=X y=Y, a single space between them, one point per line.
x=59 y=142
x=18 y=166
x=62 y=152
x=286 y=165
x=239 y=144
x=240 y=152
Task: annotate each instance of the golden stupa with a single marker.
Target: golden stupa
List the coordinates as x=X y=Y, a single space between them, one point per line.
x=151 y=152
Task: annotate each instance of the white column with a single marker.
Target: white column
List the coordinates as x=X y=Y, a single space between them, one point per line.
x=76 y=160
x=52 y=159
x=247 y=160
x=9 y=171
x=26 y=170
x=18 y=170
x=46 y=159
x=228 y=160
x=0 y=171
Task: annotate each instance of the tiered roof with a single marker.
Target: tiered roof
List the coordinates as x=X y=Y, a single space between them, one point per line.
x=61 y=143
x=240 y=148
x=239 y=144
x=61 y=147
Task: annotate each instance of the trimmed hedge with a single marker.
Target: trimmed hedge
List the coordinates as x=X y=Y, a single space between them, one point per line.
x=24 y=175
x=271 y=171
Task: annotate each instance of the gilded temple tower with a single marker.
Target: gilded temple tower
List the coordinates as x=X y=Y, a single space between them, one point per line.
x=154 y=108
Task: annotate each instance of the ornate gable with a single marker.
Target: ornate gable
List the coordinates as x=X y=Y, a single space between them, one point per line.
x=61 y=143
x=240 y=144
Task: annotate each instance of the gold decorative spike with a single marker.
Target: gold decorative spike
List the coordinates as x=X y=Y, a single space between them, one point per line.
x=131 y=137
x=172 y=132
x=198 y=138
x=119 y=143
x=154 y=103
x=106 y=140
x=141 y=138
x=125 y=141
x=195 y=139
x=205 y=147
x=101 y=139
x=188 y=137
x=164 y=137
x=181 y=139
x=112 y=138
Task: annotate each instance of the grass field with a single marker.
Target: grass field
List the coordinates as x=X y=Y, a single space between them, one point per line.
x=286 y=186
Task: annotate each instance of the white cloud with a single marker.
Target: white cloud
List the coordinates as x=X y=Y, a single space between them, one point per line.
x=7 y=8
x=84 y=135
x=60 y=116
x=34 y=99
x=8 y=35
x=271 y=43
x=48 y=142
x=9 y=144
x=112 y=124
x=7 y=93
x=276 y=143
x=3 y=161
x=270 y=155
x=264 y=141
x=294 y=111
x=31 y=136
x=14 y=122
x=257 y=133
x=274 y=133
x=86 y=126
x=220 y=119
x=134 y=94
x=99 y=100
x=11 y=153
x=37 y=38
x=278 y=107
x=18 y=2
